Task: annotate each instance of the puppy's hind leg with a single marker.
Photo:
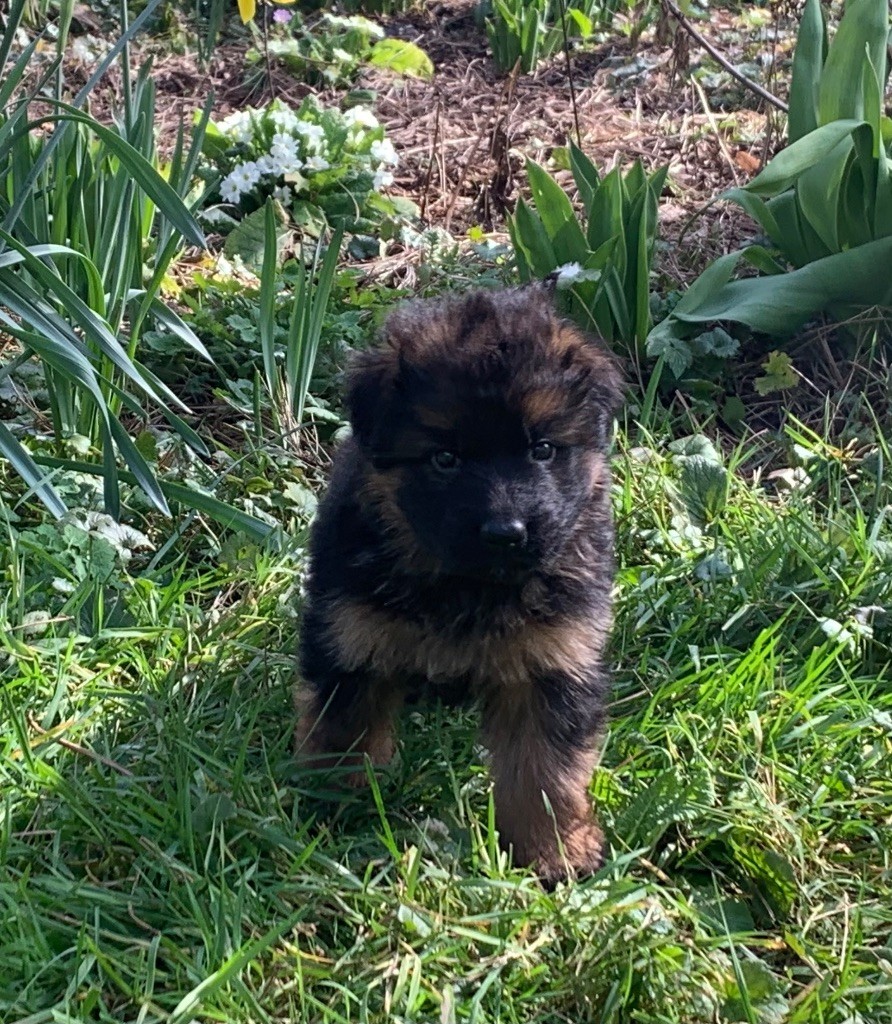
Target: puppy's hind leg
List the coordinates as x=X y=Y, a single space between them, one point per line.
x=343 y=719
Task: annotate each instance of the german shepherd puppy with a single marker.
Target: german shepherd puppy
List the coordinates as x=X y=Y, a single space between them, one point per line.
x=466 y=544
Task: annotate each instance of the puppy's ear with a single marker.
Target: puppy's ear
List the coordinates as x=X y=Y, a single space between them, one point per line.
x=606 y=388
x=370 y=382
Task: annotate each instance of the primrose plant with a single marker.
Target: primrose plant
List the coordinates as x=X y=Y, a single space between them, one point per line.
x=321 y=164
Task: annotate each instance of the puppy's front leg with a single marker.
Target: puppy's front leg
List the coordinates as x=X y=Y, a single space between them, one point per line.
x=343 y=717
x=545 y=741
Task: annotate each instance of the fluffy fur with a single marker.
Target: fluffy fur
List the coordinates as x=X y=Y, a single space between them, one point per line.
x=466 y=545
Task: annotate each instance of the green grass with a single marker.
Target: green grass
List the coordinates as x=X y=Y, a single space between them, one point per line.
x=161 y=858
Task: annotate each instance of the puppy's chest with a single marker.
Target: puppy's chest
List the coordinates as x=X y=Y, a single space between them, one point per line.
x=503 y=652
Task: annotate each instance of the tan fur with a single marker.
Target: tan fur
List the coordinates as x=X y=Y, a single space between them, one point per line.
x=322 y=741
x=393 y=646
x=524 y=767
x=543 y=405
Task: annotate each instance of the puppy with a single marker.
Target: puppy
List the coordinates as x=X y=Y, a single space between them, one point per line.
x=466 y=543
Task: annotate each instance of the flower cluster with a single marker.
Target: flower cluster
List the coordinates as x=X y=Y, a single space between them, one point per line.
x=304 y=154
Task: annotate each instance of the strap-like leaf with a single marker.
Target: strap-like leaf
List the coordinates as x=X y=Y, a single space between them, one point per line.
x=863 y=26
x=808 y=63
x=145 y=175
x=21 y=461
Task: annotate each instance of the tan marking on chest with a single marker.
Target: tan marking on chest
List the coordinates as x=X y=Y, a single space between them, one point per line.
x=390 y=646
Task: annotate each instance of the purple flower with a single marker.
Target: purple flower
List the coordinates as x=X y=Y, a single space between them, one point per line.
x=281 y=16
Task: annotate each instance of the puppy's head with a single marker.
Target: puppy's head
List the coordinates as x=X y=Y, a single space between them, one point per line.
x=484 y=421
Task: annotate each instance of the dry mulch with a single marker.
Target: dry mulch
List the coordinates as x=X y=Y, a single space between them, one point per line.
x=463 y=136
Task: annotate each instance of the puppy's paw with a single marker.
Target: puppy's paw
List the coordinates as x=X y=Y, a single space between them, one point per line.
x=328 y=749
x=582 y=855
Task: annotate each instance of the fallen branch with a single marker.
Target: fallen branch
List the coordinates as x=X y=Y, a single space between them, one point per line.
x=670 y=7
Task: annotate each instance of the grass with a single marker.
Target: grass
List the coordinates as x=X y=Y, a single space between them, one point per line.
x=161 y=858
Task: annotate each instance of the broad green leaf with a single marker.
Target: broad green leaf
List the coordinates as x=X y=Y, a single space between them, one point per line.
x=757 y=208
x=615 y=296
x=762 y=260
x=882 y=216
x=873 y=104
x=534 y=240
x=808 y=63
x=552 y=204
x=581 y=22
x=797 y=239
x=585 y=174
x=857 y=192
x=781 y=172
x=704 y=488
x=605 y=218
x=818 y=193
x=863 y=27
x=401 y=56
x=641 y=293
x=755 y=990
x=780 y=305
x=248 y=240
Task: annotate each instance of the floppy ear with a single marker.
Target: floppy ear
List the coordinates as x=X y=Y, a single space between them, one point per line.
x=370 y=381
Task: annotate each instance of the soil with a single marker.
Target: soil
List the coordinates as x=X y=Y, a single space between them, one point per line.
x=463 y=136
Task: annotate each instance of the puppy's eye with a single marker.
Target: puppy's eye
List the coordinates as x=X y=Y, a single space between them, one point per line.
x=542 y=451
x=445 y=462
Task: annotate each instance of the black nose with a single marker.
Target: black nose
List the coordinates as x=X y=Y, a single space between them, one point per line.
x=504 y=533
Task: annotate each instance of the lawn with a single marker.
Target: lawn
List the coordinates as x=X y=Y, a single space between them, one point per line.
x=163 y=858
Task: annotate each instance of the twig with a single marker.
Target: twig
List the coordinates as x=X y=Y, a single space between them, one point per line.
x=75 y=748
x=504 y=100
x=435 y=139
x=570 y=72
x=669 y=6
x=716 y=130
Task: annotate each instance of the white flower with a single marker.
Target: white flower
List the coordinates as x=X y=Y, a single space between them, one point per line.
x=267 y=165
x=572 y=273
x=341 y=55
x=283 y=193
x=62 y=586
x=313 y=133
x=284 y=143
x=230 y=192
x=283 y=153
x=383 y=152
x=316 y=163
x=360 y=117
x=245 y=175
x=238 y=126
x=382 y=178
x=285 y=164
x=284 y=119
